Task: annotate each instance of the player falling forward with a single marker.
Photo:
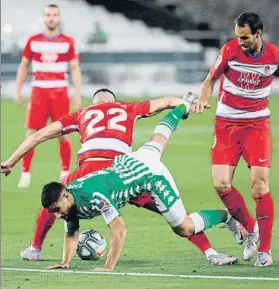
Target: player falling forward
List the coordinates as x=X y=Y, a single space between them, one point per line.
x=106 y=128
x=50 y=53
x=131 y=175
x=247 y=65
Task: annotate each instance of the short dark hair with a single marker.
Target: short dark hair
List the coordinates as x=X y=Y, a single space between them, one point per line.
x=251 y=19
x=104 y=90
x=52 y=6
x=51 y=193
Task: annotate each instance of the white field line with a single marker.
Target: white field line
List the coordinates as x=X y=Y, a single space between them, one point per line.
x=143 y=274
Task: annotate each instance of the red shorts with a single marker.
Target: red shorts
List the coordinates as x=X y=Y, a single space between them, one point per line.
x=250 y=140
x=88 y=167
x=85 y=168
x=45 y=103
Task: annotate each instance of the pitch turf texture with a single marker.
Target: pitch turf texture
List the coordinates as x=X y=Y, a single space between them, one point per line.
x=151 y=247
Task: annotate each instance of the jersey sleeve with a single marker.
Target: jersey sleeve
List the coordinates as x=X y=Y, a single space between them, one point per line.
x=26 y=52
x=71 y=227
x=73 y=53
x=221 y=63
x=140 y=109
x=70 y=122
x=107 y=208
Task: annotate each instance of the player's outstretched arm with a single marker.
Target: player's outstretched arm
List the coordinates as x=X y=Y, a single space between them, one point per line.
x=160 y=104
x=118 y=233
x=51 y=131
x=70 y=247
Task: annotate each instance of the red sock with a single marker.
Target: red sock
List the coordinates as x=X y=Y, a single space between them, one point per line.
x=26 y=161
x=265 y=216
x=235 y=203
x=200 y=240
x=65 y=154
x=45 y=221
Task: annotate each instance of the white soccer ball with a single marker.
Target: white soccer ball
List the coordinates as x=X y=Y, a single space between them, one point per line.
x=91 y=245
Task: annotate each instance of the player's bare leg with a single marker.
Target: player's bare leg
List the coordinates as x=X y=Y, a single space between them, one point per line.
x=265 y=214
x=65 y=155
x=25 y=178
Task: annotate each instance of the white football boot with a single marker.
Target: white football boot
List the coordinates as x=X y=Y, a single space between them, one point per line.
x=251 y=246
x=221 y=259
x=24 y=181
x=31 y=254
x=237 y=229
x=264 y=259
x=189 y=98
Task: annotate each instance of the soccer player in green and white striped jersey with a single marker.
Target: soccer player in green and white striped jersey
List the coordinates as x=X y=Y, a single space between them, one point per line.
x=106 y=191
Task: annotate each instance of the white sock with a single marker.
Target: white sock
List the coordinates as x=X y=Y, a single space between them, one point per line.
x=256 y=227
x=210 y=252
x=163 y=130
x=198 y=222
x=34 y=249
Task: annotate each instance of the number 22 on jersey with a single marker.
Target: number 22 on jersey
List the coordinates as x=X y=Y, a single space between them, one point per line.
x=114 y=116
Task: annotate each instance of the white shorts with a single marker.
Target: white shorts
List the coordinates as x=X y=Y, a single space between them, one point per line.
x=164 y=193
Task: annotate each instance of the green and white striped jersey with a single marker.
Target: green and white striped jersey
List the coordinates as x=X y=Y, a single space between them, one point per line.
x=106 y=191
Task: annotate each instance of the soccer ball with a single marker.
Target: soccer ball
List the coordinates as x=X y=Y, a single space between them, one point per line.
x=91 y=245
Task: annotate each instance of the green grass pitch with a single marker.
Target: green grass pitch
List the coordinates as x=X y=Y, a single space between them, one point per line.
x=151 y=247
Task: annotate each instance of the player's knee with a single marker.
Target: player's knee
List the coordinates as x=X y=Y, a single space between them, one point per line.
x=222 y=186
x=182 y=232
x=259 y=187
x=186 y=229
x=159 y=139
x=63 y=138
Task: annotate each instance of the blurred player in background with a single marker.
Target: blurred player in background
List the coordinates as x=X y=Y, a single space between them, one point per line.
x=49 y=53
x=246 y=66
x=106 y=128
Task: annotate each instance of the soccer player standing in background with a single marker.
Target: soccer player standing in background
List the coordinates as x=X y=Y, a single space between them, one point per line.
x=50 y=53
x=247 y=66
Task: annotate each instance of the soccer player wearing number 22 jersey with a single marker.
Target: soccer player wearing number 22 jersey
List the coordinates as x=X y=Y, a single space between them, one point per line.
x=246 y=66
x=106 y=130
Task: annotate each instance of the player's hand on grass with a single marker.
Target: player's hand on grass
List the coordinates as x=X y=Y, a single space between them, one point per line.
x=5 y=168
x=103 y=269
x=58 y=266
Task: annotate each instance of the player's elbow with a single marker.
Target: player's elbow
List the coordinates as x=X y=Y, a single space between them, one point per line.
x=123 y=232
x=37 y=137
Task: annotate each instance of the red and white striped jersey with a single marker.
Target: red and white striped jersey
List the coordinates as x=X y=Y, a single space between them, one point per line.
x=246 y=81
x=49 y=58
x=106 y=128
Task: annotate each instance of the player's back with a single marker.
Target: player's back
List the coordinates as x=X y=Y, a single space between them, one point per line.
x=107 y=128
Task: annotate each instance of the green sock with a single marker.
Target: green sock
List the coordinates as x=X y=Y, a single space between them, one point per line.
x=206 y=219
x=169 y=123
